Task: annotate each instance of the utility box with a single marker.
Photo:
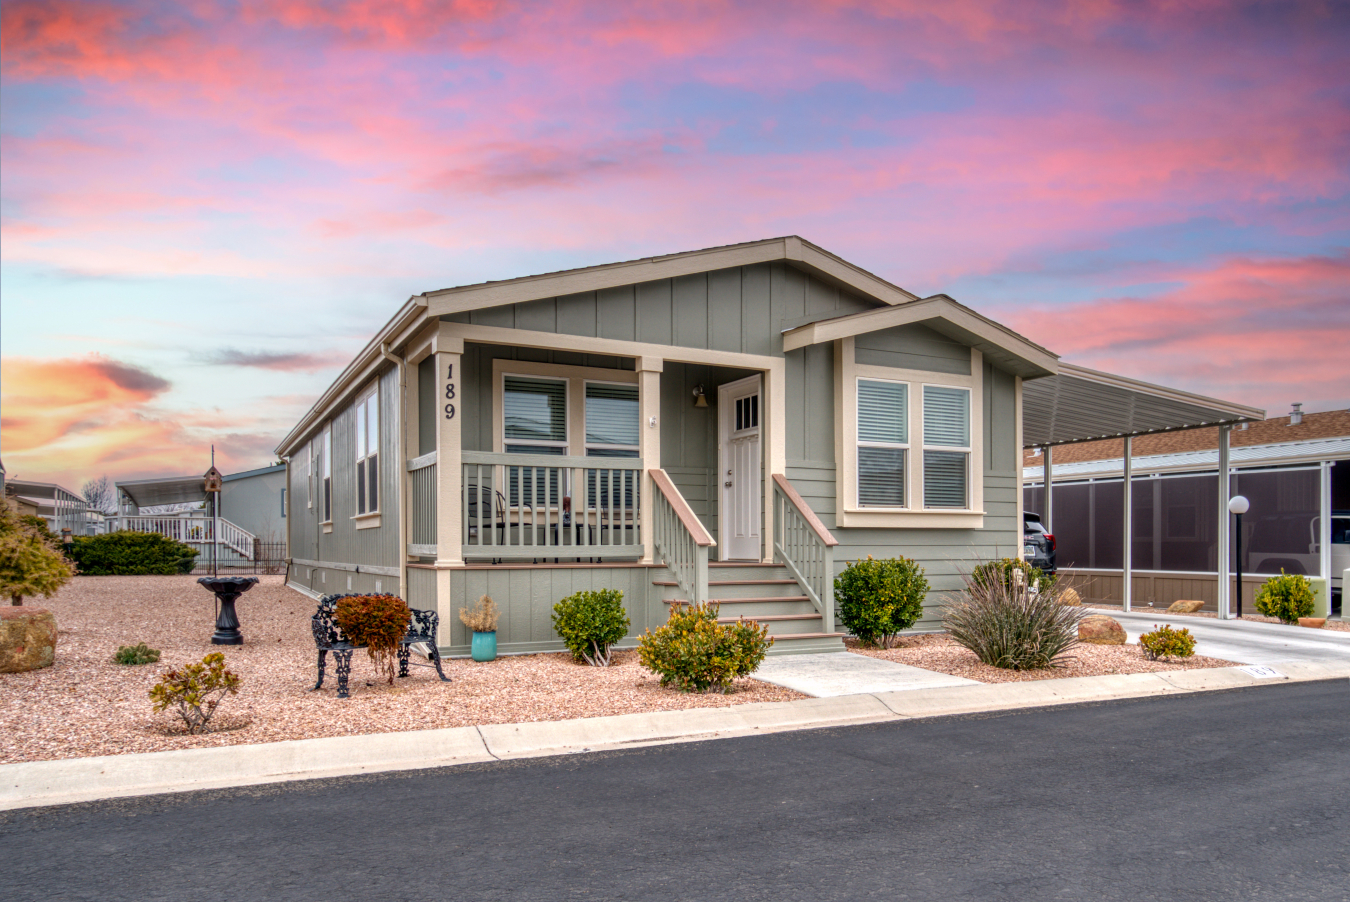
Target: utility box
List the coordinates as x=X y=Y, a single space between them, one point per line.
x=1321 y=597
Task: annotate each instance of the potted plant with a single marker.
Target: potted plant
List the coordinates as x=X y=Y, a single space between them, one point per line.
x=482 y=619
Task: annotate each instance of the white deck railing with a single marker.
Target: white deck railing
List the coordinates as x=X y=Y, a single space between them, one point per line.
x=422 y=505
x=803 y=545
x=518 y=506
x=679 y=539
x=194 y=531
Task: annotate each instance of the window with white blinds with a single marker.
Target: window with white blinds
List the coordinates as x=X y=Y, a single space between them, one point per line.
x=534 y=415
x=611 y=420
x=883 y=442
x=946 y=447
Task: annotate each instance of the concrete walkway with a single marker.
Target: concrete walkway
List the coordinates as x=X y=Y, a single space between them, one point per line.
x=844 y=673
x=40 y=783
x=1244 y=641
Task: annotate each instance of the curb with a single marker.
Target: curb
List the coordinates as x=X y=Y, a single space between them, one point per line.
x=41 y=783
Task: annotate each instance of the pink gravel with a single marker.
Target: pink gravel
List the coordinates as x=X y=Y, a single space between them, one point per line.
x=87 y=705
x=937 y=651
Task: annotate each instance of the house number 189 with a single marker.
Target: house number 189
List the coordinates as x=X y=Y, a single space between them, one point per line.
x=450 y=392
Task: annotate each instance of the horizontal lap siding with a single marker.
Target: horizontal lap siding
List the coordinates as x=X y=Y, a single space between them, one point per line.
x=526 y=597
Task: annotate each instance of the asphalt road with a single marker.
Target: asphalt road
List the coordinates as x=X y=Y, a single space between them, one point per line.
x=1214 y=796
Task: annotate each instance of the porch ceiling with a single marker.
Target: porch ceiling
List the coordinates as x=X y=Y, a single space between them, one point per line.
x=1079 y=404
x=166 y=490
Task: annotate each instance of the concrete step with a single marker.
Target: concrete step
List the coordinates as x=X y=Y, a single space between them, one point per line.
x=807 y=644
x=754 y=608
x=730 y=589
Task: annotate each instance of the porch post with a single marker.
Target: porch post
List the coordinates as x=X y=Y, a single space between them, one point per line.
x=774 y=422
x=1224 y=516
x=649 y=371
x=1126 y=562
x=449 y=448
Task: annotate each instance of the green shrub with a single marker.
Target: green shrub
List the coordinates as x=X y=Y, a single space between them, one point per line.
x=590 y=623
x=30 y=564
x=379 y=622
x=136 y=654
x=127 y=553
x=196 y=690
x=1009 y=626
x=1165 y=642
x=878 y=599
x=694 y=652
x=1004 y=568
x=39 y=526
x=1286 y=597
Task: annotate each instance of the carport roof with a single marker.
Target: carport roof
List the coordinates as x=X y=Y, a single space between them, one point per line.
x=165 y=490
x=1079 y=405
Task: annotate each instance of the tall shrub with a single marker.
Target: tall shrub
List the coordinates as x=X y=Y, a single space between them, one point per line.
x=590 y=623
x=127 y=553
x=30 y=564
x=1286 y=597
x=877 y=599
x=1007 y=625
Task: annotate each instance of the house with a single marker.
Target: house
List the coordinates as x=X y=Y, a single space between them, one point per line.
x=59 y=506
x=1294 y=469
x=730 y=424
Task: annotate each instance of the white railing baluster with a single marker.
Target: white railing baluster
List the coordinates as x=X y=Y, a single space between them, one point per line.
x=805 y=547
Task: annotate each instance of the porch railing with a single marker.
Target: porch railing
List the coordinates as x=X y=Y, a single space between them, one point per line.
x=803 y=545
x=195 y=531
x=422 y=505
x=679 y=539
x=518 y=506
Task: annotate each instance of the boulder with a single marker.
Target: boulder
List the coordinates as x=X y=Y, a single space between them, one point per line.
x=1070 y=598
x=1098 y=629
x=27 y=639
x=1184 y=607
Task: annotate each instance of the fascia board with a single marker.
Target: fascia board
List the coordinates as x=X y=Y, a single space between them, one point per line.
x=1236 y=411
x=841 y=273
x=363 y=365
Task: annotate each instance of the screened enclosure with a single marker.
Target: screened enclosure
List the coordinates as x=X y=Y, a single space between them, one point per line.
x=1175 y=519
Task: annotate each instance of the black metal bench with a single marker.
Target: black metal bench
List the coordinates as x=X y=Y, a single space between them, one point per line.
x=328 y=637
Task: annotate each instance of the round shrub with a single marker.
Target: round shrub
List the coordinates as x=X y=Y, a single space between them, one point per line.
x=127 y=553
x=136 y=654
x=1286 y=597
x=590 y=623
x=1007 y=625
x=877 y=599
x=1004 y=568
x=379 y=622
x=695 y=653
x=1165 y=642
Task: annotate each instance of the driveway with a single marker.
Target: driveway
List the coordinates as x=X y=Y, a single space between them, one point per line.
x=1244 y=641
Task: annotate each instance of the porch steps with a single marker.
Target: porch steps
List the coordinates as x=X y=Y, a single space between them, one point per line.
x=766 y=594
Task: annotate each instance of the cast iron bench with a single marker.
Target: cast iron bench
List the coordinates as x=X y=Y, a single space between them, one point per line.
x=328 y=637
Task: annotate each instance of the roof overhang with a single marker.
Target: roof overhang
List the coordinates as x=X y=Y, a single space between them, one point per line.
x=45 y=491
x=999 y=344
x=166 y=490
x=1082 y=405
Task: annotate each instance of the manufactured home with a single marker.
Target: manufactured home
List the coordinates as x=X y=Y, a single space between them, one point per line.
x=732 y=424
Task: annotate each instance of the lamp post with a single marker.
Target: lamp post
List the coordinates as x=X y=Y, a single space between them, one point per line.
x=1239 y=505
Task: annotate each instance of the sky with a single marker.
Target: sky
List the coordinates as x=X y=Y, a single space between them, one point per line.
x=207 y=208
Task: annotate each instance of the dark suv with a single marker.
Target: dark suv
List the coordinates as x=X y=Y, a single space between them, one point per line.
x=1038 y=546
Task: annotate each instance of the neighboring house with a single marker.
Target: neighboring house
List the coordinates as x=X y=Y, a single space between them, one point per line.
x=255 y=500
x=59 y=506
x=733 y=424
x=1294 y=469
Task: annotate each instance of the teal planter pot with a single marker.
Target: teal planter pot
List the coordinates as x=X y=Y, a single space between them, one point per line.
x=484 y=646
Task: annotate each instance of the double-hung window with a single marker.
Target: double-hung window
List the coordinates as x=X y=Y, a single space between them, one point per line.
x=883 y=442
x=368 y=454
x=534 y=418
x=946 y=447
x=612 y=426
x=327 y=464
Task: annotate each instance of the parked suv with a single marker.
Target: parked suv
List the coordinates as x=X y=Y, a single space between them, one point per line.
x=1038 y=546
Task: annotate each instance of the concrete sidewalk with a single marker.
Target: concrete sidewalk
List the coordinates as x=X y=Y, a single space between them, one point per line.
x=845 y=673
x=43 y=783
x=1244 y=641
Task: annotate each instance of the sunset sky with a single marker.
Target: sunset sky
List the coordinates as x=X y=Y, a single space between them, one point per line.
x=208 y=207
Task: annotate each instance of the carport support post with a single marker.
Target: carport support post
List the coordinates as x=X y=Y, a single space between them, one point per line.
x=1128 y=531
x=1324 y=535
x=1222 y=538
x=1047 y=519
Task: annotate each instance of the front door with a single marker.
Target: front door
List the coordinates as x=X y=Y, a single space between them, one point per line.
x=739 y=455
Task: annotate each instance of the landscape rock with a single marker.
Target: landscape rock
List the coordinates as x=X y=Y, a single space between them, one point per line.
x=1098 y=629
x=1070 y=598
x=27 y=639
x=1315 y=623
x=1184 y=607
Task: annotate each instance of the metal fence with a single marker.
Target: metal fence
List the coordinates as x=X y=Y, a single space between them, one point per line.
x=268 y=557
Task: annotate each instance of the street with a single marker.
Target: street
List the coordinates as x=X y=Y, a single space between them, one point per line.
x=1214 y=796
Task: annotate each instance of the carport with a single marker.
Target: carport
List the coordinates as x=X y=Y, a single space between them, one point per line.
x=1082 y=405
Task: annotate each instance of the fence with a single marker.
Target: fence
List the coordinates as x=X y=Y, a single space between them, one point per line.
x=268 y=557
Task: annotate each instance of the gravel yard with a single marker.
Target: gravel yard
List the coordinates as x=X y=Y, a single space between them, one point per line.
x=1331 y=624
x=87 y=705
x=937 y=651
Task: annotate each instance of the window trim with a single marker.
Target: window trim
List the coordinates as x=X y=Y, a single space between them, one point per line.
x=848 y=512
x=576 y=378
x=358 y=472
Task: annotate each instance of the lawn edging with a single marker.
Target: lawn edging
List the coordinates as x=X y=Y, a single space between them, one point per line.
x=65 y=781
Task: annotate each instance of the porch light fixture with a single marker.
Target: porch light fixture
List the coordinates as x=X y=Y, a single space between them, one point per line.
x=1239 y=505
x=700 y=400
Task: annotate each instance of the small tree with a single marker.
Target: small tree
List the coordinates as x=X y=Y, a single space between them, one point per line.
x=100 y=495
x=30 y=564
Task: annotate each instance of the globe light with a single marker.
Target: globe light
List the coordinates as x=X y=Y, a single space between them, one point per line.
x=1239 y=505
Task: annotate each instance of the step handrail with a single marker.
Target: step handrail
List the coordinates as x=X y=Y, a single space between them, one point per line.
x=803 y=545
x=679 y=538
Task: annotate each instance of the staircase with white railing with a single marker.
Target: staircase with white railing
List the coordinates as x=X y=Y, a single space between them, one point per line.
x=197 y=532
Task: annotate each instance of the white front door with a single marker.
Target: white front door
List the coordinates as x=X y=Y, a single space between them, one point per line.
x=739 y=456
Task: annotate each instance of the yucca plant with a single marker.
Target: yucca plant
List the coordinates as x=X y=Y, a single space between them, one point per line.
x=1007 y=625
